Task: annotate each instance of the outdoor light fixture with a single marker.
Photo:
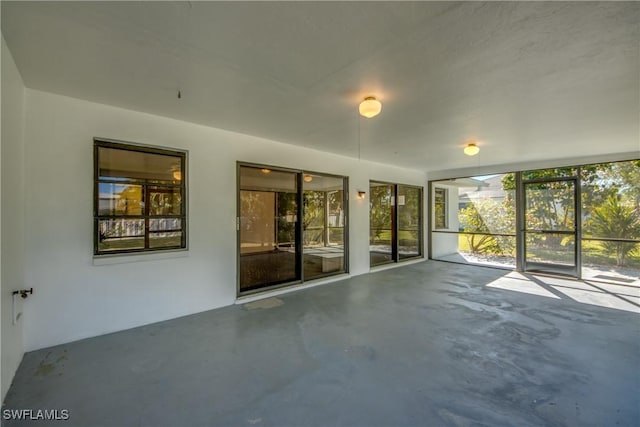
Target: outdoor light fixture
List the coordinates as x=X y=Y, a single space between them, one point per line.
x=361 y=194
x=308 y=178
x=265 y=170
x=370 y=107
x=471 y=149
x=177 y=175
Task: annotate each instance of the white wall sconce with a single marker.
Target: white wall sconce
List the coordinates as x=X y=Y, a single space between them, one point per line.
x=361 y=194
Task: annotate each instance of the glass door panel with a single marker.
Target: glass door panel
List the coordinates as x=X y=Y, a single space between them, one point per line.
x=381 y=215
x=550 y=226
x=323 y=225
x=409 y=221
x=268 y=207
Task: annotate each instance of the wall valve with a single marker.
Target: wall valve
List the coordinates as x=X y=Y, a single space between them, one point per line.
x=23 y=292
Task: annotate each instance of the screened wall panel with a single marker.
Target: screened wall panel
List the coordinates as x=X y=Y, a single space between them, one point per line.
x=475 y=220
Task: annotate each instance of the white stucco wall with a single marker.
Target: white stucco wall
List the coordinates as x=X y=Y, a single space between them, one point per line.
x=12 y=216
x=76 y=296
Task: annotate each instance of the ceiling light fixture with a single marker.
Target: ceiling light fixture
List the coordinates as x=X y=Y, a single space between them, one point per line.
x=177 y=175
x=370 y=107
x=265 y=170
x=308 y=178
x=471 y=149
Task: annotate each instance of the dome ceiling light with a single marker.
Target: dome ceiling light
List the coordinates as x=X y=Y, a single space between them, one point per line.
x=370 y=107
x=471 y=149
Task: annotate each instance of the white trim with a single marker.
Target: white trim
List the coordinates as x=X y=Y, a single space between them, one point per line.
x=395 y=265
x=126 y=258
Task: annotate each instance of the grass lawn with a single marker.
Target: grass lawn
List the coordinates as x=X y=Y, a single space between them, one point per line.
x=592 y=253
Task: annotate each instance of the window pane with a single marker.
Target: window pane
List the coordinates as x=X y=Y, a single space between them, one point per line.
x=120 y=199
x=165 y=239
x=120 y=234
x=165 y=201
x=264 y=179
x=123 y=165
x=268 y=216
x=165 y=224
x=440 y=208
x=409 y=219
x=135 y=181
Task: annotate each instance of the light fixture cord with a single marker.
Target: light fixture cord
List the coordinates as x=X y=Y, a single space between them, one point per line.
x=359 y=121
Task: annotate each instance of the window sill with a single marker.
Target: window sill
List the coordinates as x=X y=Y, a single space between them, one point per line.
x=108 y=259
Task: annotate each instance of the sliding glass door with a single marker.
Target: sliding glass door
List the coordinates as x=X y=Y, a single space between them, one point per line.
x=268 y=212
x=277 y=249
x=381 y=223
x=324 y=225
x=395 y=222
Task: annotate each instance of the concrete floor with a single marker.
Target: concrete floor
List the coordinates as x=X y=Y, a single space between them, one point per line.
x=421 y=345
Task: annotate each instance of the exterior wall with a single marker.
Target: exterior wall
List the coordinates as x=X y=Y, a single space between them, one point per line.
x=12 y=216
x=77 y=296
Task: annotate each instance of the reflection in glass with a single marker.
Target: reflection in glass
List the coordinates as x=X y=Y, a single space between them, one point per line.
x=164 y=201
x=409 y=226
x=129 y=165
x=139 y=198
x=268 y=216
x=165 y=239
x=440 y=208
x=120 y=199
x=380 y=223
x=120 y=234
x=323 y=225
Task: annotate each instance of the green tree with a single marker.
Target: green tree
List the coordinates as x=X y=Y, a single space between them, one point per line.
x=489 y=216
x=614 y=219
x=313 y=216
x=379 y=211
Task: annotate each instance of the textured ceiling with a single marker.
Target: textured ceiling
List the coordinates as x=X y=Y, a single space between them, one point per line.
x=527 y=81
